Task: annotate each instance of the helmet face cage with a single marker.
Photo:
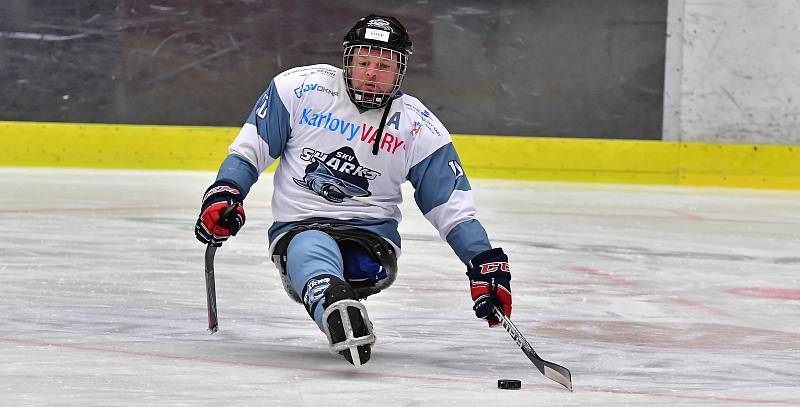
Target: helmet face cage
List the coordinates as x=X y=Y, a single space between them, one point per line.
x=373 y=74
x=375 y=58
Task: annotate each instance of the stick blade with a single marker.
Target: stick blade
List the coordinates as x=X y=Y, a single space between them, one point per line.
x=558 y=374
x=550 y=370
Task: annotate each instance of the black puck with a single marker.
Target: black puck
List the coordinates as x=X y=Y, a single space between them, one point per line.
x=509 y=384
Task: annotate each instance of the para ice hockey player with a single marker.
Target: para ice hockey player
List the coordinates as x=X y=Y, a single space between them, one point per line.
x=347 y=139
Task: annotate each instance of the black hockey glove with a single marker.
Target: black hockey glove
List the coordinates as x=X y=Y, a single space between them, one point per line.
x=210 y=227
x=490 y=284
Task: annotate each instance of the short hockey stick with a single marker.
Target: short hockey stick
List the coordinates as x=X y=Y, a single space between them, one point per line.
x=550 y=370
x=211 y=291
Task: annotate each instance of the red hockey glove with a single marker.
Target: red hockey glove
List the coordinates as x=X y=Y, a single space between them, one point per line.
x=210 y=227
x=490 y=284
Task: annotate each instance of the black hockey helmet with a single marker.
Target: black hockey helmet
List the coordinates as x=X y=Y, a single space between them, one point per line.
x=397 y=38
x=376 y=33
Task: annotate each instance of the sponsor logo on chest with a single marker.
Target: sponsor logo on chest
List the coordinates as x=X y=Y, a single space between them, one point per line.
x=425 y=116
x=300 y=90
x=359 y=132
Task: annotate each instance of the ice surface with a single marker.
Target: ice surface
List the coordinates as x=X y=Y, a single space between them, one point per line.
x=657 y=296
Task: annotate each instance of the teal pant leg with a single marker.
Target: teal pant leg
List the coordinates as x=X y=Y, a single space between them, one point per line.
x=312 y=259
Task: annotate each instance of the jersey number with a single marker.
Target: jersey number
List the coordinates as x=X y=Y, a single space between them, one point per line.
x=262 y=111
x=456 y=168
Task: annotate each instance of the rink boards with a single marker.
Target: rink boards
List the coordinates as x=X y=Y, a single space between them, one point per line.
x=521 y=158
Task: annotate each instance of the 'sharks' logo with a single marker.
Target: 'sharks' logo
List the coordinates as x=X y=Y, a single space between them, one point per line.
x=336 y=176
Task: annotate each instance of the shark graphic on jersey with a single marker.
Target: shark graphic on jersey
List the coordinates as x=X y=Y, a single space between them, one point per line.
x=337 y=175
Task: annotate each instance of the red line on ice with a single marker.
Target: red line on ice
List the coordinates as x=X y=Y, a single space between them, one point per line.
x=365 y=373
x=698 y=305
x=687 y=216
x=608 y=278
x=765 y=292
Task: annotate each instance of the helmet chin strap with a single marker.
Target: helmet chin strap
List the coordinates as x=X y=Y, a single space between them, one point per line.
x=376 y=145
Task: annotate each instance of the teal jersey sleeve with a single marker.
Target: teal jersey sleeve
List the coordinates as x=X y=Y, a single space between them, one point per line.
x=443 y=194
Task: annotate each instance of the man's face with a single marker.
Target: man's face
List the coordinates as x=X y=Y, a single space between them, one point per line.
x=374 y=70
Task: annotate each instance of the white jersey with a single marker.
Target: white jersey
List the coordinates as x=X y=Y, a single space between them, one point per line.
x=329 y=172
